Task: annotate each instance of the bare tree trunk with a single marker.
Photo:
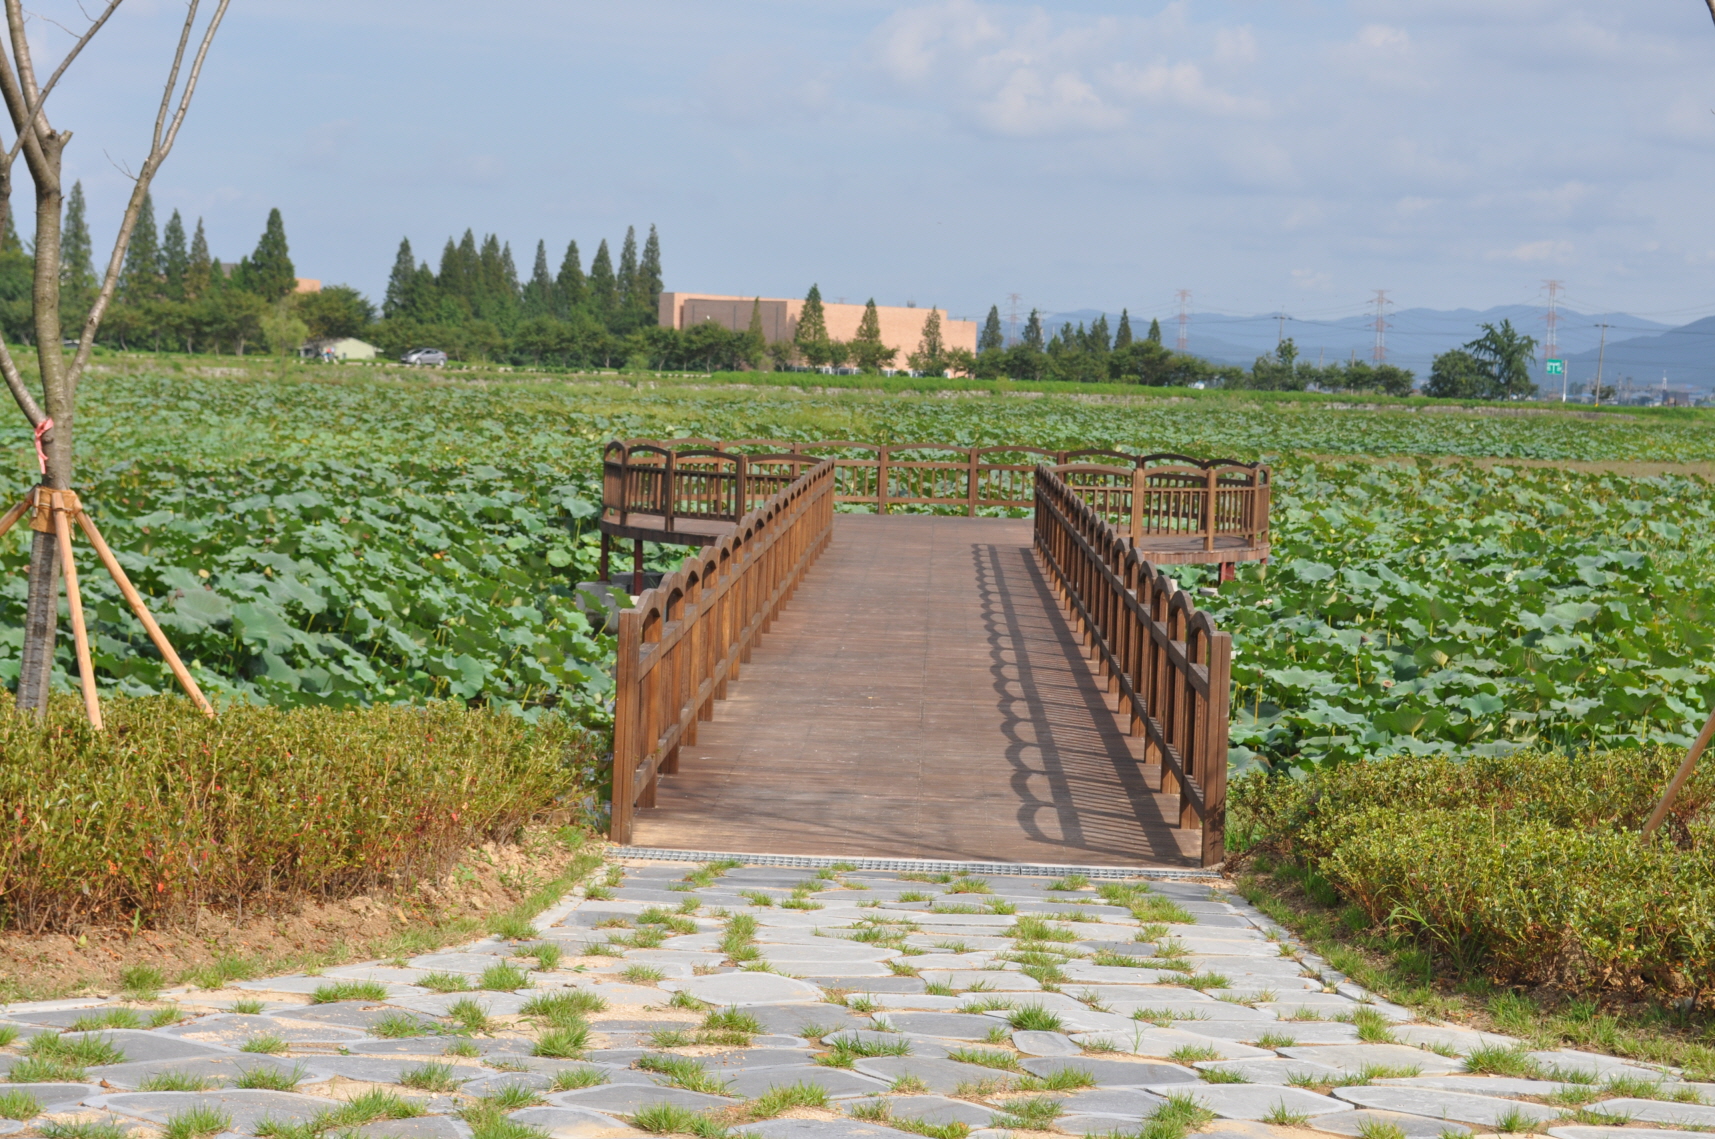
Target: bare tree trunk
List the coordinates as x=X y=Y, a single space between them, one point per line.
x=41 y=624
x=1711 y=8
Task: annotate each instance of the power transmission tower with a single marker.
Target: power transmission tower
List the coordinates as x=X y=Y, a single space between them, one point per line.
x=1280 y=334
x=1012 y=300
x=1551 y=341
x=1184 y=296
x=1601 y=352
x=1381 y=327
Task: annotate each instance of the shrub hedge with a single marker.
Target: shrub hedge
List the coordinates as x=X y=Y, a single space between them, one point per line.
x=1528 y=868
x=168 y=810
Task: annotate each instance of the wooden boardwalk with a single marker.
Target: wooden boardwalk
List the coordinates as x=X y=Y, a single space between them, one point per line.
x=921 y=695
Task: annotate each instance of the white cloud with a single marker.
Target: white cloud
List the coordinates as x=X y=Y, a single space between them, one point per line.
x=1550 y=249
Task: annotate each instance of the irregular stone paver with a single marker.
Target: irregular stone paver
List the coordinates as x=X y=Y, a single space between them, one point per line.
x=938 y=1075
x=742 y=989
x=51 y=1096
x=1435 y=1104
x=845 y=992
x=926 y=1109
x=1243 y=1101
x=1356 y=1123
x=1046 y=1044
x=837 y=1082
x=1354 y=1058
x=1581 y=1132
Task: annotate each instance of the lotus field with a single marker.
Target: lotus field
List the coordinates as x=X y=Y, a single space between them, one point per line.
x=365 y=538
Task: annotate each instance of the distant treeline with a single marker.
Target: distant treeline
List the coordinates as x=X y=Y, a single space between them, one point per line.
x=174 y=296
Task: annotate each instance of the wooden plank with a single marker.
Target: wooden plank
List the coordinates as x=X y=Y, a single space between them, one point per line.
x=921 y=695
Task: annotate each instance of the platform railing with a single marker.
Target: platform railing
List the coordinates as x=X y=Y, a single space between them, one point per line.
x=684 y=641
x=1153 y=495
x=1162 y=656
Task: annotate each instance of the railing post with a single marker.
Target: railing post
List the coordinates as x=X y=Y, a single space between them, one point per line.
x=971 y=485
x=1213 y=768
x=626 y=726
x=1209 y=510
x=1138 y=490
x=881 y=481
x=669 y=491
x=741 y=478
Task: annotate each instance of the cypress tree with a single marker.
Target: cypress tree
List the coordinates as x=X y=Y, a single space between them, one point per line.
x=993 y=336
x=931 y=355
x=491 y=272
x=1033 y=332
x=451 y=279
x=199 y=272
x=140 y=279
x=602 y=293
x=1155 y=332
x=569 y=286
x=755 y=339
x=77 y=253
x=175 y=258
x=1097 y=340
x=649 y=273
x=1122 y=336
x=626 y=283
x=539 y=293
x=268 y=272
x=811 y=336
x=401 y=283
x=866 y=347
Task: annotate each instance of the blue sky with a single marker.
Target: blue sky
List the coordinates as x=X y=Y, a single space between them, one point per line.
x=1263 y=153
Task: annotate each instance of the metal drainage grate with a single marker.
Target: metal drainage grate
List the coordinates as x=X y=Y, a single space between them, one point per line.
x=915 y=865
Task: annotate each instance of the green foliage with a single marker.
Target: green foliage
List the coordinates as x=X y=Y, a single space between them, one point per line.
x=131 y=820
x=398 y=1026
x=1496 y=365
x=565 y=1007
x=175 y=1082
x=268 y=271
x=349 y=991
x=1526 y=868
x=564 y=1042
x=431 y=1077
x=19 y=1105
x=196 y=1123
x=683 y=1072
x=445 y=982
x=1035 y=1018
x=267 y=1043
x=502 y=977
x=142 y=982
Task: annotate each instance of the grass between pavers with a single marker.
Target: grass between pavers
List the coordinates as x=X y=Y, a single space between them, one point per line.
x=1397 y=969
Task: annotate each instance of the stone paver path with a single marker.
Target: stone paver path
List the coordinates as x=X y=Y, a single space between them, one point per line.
x=676 y=996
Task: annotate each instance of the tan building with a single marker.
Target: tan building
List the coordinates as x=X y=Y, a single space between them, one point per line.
x=901 y=328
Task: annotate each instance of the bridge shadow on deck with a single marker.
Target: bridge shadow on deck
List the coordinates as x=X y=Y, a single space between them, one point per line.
x=920 y=696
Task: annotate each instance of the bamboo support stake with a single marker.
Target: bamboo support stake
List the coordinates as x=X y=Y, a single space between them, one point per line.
x=1659 y=815
x=135 y=600
x=10 y=518
x=65 y=502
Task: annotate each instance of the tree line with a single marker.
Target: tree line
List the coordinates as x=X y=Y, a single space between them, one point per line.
x=174 y=295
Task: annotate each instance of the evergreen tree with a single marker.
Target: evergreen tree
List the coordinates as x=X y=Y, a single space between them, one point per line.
x=626 y=282
x=1097 y=340
x=268 y=272
x=1154 y=331
x=569 y=287
x=9 y=241
x=867 y=350
x=77 y=258
x=175 y=258
x=811 y=335
x=490 y=273
x=401 y=283
x=539 y=293
x=931 y=355
x=602 y=293
x=993 y=336
x=141 y=277
x=755 y=339
x=1122 y=335
x=1033 y=332
x=199 y=272
x=649 y=273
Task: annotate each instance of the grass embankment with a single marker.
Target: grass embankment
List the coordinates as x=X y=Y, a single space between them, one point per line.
x=167 y=812
x=1513 y=893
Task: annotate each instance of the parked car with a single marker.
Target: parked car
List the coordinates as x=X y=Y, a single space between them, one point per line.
x=432 y=357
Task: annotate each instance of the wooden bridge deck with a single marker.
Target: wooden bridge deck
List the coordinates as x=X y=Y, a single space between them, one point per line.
x=921 y=695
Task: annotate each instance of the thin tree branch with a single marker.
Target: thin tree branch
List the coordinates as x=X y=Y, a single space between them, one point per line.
x=34 y=113
x=26 y=402
x=1711 y=4
x=163 y=145
x=18 y=108
x=21 y=48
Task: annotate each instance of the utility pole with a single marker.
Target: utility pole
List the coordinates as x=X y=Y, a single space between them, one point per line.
x=1600 y=353
x=1184 y=296
x=1381 y=326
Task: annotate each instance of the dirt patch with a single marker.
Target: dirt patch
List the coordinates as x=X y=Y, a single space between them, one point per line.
x=487 y=880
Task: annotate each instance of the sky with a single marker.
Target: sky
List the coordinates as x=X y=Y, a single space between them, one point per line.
x=1267 y=155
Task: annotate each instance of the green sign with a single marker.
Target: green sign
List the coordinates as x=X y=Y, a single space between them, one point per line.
x=1557 y=367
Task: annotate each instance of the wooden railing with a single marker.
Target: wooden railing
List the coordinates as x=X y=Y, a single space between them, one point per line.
x=685 y=640
x=1165 y=659
x=1159 y=495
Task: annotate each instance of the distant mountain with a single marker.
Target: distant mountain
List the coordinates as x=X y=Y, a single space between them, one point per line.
x=1684 y=355
x=1414 y=336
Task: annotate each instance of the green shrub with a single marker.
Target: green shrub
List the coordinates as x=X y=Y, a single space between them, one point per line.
x=260 y=801
x=1527 y=868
